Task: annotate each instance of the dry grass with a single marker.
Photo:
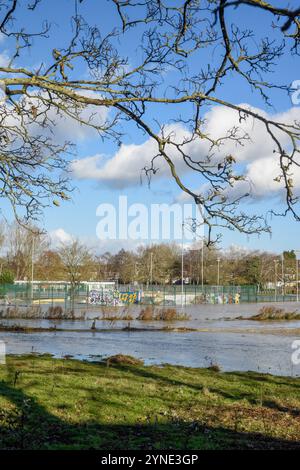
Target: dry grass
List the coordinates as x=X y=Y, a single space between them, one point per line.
x=123 y=359
x=115 y=314
x=33 y=312
x=161 y=314
x=55 y=312
x=272 y=313
x=146 y=314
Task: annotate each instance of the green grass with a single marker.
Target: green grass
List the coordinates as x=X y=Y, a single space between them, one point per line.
x=48 y=403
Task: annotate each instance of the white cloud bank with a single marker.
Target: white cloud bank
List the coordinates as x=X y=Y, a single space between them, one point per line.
x=124 y=168
x=261 y=165
x=61 y=127
x=60 y=236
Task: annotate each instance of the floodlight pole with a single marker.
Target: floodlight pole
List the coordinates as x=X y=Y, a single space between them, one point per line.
x=32 y=267
x=202 y=265
x=275 y=294
x=151 y=268
x=282 y=275
x=182 y=264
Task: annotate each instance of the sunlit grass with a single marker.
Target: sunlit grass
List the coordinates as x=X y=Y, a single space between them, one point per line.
x=51 y=403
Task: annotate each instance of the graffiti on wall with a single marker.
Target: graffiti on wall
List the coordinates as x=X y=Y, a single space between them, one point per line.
x=215 y=298
x=104 y=297
x=113 y=297
x=130 y=297
x=161 y=298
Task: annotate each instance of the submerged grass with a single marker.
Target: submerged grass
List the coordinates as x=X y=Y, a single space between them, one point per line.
x=272 y=313
x=35 y=312
x=151 y=313
x=48 y=403
x=113 y=314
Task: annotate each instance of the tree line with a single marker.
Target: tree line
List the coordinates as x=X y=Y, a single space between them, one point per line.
x=29 y=254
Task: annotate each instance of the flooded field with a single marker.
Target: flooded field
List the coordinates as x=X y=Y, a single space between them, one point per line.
x=218 y=339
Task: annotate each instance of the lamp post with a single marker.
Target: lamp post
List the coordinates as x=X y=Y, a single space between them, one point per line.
x=282 y=275
x=151 y=268
x=182 y=247
x=202 y=265
x=275 y=293
x=202 y=250
x=32 y=260
x=218 y=260
x=32 y=267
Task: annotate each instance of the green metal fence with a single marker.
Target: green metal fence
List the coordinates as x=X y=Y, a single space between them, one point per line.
x=20 y=295
x=51 y=294
x=84 y=295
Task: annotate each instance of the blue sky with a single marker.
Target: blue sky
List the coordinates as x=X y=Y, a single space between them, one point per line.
x=78 y=217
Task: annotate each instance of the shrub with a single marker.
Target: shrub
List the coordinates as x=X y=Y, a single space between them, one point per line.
x=161 y=314
x=35 y=312
x=124 y=360
x=270 y=312
x=147 y=314
x=115 y=314
x=214 y=368
x=15 y=312
x=54 y=313
x=7 y=277
x=166 y=314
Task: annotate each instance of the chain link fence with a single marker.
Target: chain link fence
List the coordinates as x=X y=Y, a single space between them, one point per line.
x=87 y=295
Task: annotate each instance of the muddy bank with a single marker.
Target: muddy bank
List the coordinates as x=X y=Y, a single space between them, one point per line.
x=167 y=329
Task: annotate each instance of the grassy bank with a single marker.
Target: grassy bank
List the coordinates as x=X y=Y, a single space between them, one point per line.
x=66 y=404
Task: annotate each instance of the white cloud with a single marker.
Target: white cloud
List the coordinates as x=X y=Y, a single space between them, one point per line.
x=123 y=169
x=4 y=58
x=67 y=128
x=59 y=236
x=259 y=182
x=61 y=127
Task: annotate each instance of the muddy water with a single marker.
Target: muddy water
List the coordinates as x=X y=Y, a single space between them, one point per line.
x=234 y=345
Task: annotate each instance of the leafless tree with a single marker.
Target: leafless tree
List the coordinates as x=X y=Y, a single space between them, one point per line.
x=25 y=246
x=171 y=35
x=77 y=261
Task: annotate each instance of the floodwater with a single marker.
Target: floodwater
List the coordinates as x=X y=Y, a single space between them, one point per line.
x=233 y=345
